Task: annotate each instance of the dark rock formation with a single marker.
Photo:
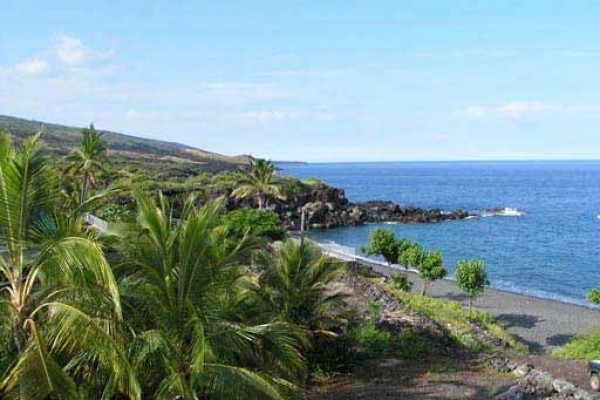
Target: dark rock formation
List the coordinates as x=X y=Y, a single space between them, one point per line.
x=326 y=207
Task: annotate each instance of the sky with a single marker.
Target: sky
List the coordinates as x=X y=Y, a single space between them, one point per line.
x=314 y=80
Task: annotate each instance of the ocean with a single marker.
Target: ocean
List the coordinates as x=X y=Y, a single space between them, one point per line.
x=552 y=251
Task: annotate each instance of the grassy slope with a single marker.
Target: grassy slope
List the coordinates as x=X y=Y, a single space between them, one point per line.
x=127 y=152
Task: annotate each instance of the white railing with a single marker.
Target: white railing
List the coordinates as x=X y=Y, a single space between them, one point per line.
x=96 y=222
x=349 y=254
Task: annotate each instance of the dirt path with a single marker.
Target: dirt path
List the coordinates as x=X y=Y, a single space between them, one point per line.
x=394 y=379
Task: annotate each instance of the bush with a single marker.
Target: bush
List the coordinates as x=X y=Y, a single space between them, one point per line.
x=118 y=212
x=258 y=223
x=585 y=347
x=401 y=282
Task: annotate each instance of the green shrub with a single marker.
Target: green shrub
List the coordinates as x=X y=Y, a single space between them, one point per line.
x=401 y=282
x=372 y=341
x=584 y=347
x=409 y=345
x=118 y=212
x=259 y=223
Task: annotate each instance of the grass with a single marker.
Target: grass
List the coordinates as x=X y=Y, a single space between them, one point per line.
x=374 y=342
x=584 y=347
x=458 y=319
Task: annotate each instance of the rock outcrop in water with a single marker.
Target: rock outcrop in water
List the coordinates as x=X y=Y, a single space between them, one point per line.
x=327 y=207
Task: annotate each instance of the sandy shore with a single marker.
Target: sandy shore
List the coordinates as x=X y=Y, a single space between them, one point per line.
x=542 y=324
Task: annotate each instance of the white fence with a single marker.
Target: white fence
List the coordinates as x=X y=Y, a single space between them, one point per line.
x=349 y=254
x=95 y=222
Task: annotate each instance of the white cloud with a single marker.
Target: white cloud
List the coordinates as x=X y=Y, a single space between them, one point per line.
x=516 y=109
x=316 y=74
x=262 y=116
x=224 y=116
x=72 y=52
x=31 y=67
x=460 y=53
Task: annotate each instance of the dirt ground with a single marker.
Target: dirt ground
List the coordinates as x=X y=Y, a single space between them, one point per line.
x=395 y=379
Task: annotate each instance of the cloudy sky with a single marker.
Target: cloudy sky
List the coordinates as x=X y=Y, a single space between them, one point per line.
x=315 y=80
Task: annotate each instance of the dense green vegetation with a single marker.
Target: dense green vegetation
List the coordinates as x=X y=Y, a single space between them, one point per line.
x=183 y=301
x=258 y=223
x=187 y=296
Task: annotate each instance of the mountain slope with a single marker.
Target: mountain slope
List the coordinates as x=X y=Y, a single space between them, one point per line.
x=127 y=152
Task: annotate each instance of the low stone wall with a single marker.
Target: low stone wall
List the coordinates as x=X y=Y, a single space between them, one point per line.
x=537 y=384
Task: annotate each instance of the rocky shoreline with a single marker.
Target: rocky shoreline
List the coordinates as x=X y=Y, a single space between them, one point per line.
x=326 y=207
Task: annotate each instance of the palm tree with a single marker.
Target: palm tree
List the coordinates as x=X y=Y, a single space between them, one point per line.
x=59 y=295
x=294 y=283
x=259 y=182
x=87 y=159
x=183 y=282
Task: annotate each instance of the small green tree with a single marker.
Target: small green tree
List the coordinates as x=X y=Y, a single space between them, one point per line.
x=471 y=278
x=410 y=254
x=382 y=242
x=431 y=268
x=593 y=296
x=403 y=245
x=401 y=282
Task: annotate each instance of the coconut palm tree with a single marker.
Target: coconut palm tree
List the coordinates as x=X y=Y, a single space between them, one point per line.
x=294 y=283
x=88 y=159
x=58 y=296
x=183 y=283
x=259 y=182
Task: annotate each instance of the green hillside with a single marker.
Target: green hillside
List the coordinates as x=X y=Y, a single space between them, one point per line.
x=127 y=152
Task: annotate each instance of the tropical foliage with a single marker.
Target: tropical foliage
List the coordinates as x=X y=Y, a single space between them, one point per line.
x=254 y=222
x=259 y=182
x=383 y=242
x=178 y=303
x=87 y=160
x=60 y=298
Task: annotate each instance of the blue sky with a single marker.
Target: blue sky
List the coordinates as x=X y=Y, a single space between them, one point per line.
x=315 y=80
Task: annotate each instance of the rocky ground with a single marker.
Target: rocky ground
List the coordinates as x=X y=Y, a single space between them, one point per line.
x=502 y=374
x=327 y=207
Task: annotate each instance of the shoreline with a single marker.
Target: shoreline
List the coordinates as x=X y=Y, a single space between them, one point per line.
x=542 y=324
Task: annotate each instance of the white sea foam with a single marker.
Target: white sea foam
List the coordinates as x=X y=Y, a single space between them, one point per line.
x=504 y=212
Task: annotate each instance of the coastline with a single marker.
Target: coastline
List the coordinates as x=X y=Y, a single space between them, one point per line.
x=543 y=324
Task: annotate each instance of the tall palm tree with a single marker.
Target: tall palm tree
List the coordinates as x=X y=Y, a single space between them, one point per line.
x=259 y=182
x=88 y=159
x=183 y=282
x=59 y=294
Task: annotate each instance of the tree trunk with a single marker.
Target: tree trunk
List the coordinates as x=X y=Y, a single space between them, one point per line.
x=470 y=307
x=424 y=292
x=260 y=200
x=19 y=333
x=85 y=187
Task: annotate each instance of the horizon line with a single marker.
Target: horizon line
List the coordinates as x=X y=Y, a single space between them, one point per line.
x=443 y=161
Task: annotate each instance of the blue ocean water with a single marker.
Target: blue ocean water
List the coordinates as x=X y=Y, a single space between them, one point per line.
x=552 y=252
